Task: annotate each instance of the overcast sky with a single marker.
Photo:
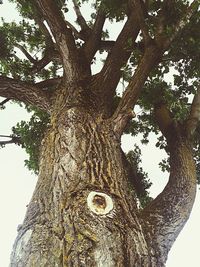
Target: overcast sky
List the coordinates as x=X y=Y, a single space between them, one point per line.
x=17 y=184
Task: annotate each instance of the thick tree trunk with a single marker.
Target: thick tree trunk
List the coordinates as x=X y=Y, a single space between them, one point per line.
x=83 y=211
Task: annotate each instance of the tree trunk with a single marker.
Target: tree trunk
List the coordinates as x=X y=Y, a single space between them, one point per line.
x=83 y=211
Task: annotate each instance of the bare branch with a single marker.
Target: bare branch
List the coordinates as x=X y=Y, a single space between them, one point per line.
x=24 y=92
x=141 y=20
x=2 y=103
x=50 y=51
x=80 y=19
x=120 y=53
x=194 y=116
x=13 y=140
x=63 y=36
x=50 y=54
x=93 y=43
x=149 y=61
x=44 y=30
x=26 y=53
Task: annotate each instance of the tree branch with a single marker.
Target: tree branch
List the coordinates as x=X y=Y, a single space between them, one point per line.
x=194 y=116
x=152 y=56
x=166 y=215
x=26 y=53
x=13 y=140
x=150 y=59
x=4 y=102
x=74 y=30
x=141 y=20
x=106 y=45
x=39 y=19
x=163 y=118
x=93 y=43
x=50 y=54
x=24 y=92
x=63 y=36
x=49 y=83
x=110 y=74
x=80 y=19
x=44 y=30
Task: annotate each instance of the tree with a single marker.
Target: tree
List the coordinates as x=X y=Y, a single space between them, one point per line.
x=91 y=206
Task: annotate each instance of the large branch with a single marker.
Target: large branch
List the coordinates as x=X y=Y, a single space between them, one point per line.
x=117 y=58
x=137 y=4
x=94 y=41
x=46 y=84
x=194 y=116
x=63 y=37
x=24 y=92
x=80 y=19
x=121 y=116
x=166 y=215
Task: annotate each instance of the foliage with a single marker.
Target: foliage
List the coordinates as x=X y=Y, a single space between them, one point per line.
x=31 y=134
x=141 y=181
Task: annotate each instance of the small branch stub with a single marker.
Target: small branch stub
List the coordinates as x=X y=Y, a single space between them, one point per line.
x=99 y=203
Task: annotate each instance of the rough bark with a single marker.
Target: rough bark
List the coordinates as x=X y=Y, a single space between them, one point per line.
x=84 y=211
x=25 y=92
x=72 y=65
x=80 y=156
x=119 y=55
x=166 y=216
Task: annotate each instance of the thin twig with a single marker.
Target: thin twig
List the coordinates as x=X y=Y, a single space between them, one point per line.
x=4 y=101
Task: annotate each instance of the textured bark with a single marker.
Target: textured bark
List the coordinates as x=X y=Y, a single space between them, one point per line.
x=63 y=37
x=80 y=155
x=166 y=216
x=84 y=211
x=25 y=92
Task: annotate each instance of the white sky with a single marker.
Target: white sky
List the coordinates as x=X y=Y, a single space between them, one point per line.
x=17 y=184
